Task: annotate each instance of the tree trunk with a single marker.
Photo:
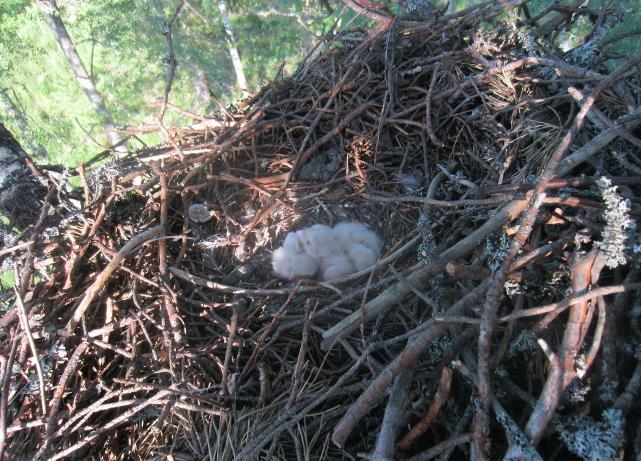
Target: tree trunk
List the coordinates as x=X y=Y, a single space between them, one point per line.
x=52 y=16
x=14 y=113
x=231 y=43
x=21 y=193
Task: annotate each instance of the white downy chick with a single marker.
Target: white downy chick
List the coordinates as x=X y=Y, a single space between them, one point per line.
x=293 y=244
x=352 y=233
x=291 y=261
x=336 y=266
x=318 y=241
x=361 y=256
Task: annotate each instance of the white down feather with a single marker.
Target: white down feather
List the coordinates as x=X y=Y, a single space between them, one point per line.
x=330 y=253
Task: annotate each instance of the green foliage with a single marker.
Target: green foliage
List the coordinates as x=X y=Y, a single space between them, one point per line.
x=123 y=48
x=6 y=281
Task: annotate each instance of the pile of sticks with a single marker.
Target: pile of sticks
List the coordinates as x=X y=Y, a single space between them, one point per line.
x=502 y=321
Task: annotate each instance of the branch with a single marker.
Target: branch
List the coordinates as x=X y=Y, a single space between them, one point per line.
x=104 y=276
x=373 y=10
x=417 y=279
x=413 y=350
x=393 y=418
x=440 y=398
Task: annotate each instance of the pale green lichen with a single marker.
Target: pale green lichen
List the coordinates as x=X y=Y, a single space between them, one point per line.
x=619 y=226
x=527 y=40
x=526 y=341
x=577 y=392
x=497 y=246
x=513 y=288
x=593 y=440
x=427 y=249
x=585 y=54
x=434 y=353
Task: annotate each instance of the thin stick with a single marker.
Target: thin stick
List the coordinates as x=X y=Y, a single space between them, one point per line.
x=104 y=276
x=393 y=418
x=70 y=368
x=170 y=79
x=495 y=292
x=598 y=335
x=440 y=399
x=442 y=447
x=166 y=301
x=122 y=418
x=561 y=305
x=233 y=325
x=22 y=313
x=407 y=357
x=237 y=290
x=428 y=106
x=418 y=278
x=550 y=395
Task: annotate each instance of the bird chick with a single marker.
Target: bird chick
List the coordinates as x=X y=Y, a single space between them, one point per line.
x=291 y=265
x=353 y=233
x=361 y=257
x=318 y=241
x=335 y=266
x=293 y=243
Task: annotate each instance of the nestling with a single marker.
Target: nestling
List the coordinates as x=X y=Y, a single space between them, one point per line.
x=351 y=233
x=292 y=265
x=318 y=240
x=330 y=253
x=336 y=266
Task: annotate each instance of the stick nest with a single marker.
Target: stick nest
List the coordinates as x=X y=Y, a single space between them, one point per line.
x=161 y=330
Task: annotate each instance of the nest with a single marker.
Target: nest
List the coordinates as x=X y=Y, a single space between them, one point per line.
x=503 y=179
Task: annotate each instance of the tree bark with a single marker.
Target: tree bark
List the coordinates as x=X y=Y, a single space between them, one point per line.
x=14 y=113
x=57 y=26
x=231 y=44
x=21 y=193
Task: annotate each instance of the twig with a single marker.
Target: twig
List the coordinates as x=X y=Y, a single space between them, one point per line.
x=393 y=417
x=170 y=78
x=117 y=421
x=625 y=402
x=495 y=291
x=596 y=144
x=372 y=10
x=434 y=202
x=562 y=370
x=233 y=325
x=410 y=354
x=441 y=448
x=550 y=395
x=598 y=335
x=440 y=399
x=70 y=368
x=418 y=278
x=520 y=446
x=104 y=276
x=167 y=302
x=181 y=274
x=576 y=298
x=22 y=313
x=602 y=122
x=428 y=106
